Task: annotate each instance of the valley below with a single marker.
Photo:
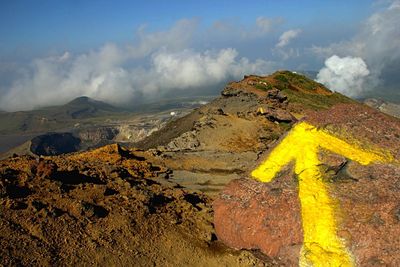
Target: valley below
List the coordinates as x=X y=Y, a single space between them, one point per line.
x=97 y=123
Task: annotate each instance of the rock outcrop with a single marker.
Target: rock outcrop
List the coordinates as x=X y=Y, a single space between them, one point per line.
x=363 y=198
x=97 y=135
x=220 y=141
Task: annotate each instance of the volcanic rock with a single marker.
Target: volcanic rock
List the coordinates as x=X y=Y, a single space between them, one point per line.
x=229 y=92
x=268 y=216
x=253 y=215
x=107 y=207
x=114 y=206
x=97 y=135
x=276 y=94
x=280 y=115
x=186 y=141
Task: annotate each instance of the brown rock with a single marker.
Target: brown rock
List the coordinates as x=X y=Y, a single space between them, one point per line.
x=45 y=168
x=277 y=95
x=280 y=115
x=229 y=92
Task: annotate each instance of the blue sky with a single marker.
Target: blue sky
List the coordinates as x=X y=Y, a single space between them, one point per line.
x=134 y=51
x=39 y=26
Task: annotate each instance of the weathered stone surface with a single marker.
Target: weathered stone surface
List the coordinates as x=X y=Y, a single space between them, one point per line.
x=228 y=92
x=368 y=219
x=365 y=198
x=96 y=135
x=186 y=141
x=276 y=94
x=280 y=115
x=253 y=215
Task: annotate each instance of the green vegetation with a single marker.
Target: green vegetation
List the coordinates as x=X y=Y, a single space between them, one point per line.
x=282 y=78
x=285 y=78
x=263 y=85
x=288 y=81
x=315 y=101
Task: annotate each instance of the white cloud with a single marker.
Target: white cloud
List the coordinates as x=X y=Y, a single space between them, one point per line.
x=65 y=56
x=288 y=53
x=346 y=75
x=188 y=69
x=377 y=43
x=287 y=36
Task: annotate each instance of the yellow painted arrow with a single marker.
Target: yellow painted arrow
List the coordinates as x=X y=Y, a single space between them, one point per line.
x=321 y=245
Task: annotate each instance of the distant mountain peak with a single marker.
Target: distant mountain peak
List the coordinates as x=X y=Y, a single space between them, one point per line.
x=84 y=106
x=82 y=98
x=85 y=100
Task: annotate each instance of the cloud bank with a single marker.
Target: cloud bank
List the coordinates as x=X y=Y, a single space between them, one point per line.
x=158 y=64
x=102 y=75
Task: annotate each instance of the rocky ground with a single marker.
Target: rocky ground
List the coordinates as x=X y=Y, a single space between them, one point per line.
x=109 y=206
x=221 y=141
x=151 y=203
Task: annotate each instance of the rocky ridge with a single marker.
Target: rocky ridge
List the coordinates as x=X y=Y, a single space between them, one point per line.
x=221 y=141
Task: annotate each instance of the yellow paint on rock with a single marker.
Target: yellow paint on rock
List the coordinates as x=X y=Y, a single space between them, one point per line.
x=321 y=245
x=260 y=110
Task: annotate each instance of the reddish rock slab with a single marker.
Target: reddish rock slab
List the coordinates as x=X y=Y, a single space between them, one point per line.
x=369 y=215
x=267 y=216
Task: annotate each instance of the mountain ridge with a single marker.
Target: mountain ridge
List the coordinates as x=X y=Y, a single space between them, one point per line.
x=53 y=117
x=172 y=198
